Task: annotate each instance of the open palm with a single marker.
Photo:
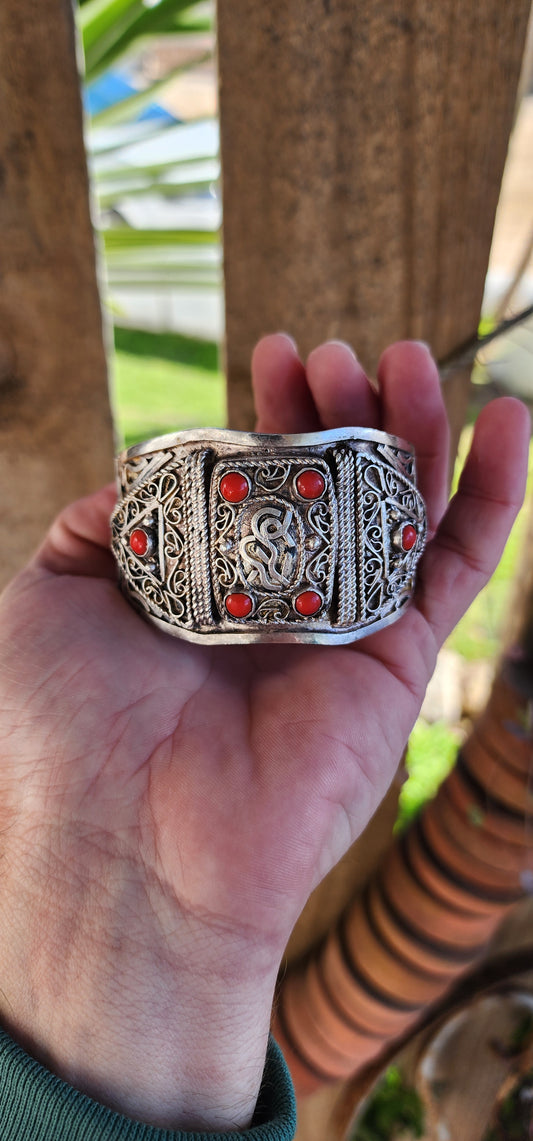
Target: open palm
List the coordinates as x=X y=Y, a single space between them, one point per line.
x=199 y=793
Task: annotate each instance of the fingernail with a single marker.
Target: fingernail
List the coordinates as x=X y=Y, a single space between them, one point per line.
x=423 y=345
x=344 y=345
x=288 y=338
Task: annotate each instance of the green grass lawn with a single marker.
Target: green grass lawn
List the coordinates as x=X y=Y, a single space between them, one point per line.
x=164 y=382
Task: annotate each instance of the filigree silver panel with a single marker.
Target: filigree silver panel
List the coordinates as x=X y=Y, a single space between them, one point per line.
x=387 y=501
x=275 y=545
x=165 y=502
x=226 y=536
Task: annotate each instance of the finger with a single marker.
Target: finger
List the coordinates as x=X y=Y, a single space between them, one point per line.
x=473 y=533
x=413 y=407
x=283 y=401
x=79 y=540
x=341 y=390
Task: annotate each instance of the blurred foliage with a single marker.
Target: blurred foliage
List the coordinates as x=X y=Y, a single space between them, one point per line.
x=430 y=757
x=146 y=165
x=394 y=1111
x=514 y=1117
x=109 y=28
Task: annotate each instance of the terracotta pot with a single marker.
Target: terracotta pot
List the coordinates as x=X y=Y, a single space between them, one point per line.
x=505 y=699
x=474 y=840
x=506 y=740
x=443 y=842
x=439 y=878
x=305 y=1079
x=346 y=1034
x=373 y=1011
x=386 y=968
x=501 y=782
x=436 y=919
x=504 y=726
x=316 y=1040
x=474 y=802
x=415 y=948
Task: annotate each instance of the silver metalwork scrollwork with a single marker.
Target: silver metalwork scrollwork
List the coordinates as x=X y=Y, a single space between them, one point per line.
x=272 y=475
x=340 y=553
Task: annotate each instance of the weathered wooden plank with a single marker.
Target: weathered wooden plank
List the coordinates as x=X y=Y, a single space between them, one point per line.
x=362 y=147
x=55 y=422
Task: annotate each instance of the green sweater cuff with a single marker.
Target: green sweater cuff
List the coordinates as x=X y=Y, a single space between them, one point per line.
x=35 y=1105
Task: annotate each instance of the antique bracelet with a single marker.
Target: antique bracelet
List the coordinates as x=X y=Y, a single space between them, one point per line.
x=225 y=536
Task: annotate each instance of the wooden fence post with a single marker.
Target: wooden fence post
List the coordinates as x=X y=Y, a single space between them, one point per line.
x=362 y=150
x=55 y=421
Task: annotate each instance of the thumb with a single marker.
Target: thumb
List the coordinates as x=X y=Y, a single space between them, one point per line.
x=79 y=540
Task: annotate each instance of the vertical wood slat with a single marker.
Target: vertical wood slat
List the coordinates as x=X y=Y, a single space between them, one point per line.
x=55 y=423
x=362 y=151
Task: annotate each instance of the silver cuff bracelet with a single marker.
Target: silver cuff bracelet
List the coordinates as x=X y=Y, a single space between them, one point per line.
x=224 y=536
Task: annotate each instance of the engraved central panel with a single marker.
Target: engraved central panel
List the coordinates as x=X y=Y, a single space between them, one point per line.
x=273 y=535
x=270 y=544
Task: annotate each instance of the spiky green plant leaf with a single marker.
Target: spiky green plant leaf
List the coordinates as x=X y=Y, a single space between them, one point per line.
x=110 y=27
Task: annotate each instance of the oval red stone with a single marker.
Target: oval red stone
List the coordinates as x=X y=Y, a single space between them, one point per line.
x=308 y=603
x=234 y=487
x=409 y=537
x=239 y=605
x=139 y=542
x=310 y=484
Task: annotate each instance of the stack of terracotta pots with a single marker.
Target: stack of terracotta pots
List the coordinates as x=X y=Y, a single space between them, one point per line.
x=427 y=913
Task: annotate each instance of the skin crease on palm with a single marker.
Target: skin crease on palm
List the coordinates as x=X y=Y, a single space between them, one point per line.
x=166 y=808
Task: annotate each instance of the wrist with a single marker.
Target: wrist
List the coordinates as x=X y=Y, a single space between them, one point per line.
x=164 y=1020
x=35 y=1103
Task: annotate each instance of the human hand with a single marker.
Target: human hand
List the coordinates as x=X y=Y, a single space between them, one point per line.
x=166 y=808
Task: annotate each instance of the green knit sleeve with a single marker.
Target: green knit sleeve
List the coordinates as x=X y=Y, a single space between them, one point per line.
x=35 y=1105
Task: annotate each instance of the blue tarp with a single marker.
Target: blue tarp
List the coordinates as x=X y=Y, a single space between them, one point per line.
x=112 y=88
